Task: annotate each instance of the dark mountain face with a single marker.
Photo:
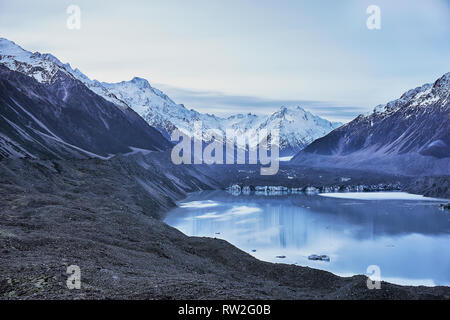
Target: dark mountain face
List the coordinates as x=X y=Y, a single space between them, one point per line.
x=408 y=135
x=64 y=119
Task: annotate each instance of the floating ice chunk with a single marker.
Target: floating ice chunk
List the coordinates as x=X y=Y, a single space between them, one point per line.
x=199 y=204
x=319 y=257
x=378 y=196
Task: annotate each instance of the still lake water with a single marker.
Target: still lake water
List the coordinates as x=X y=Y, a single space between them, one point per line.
x=407 y=236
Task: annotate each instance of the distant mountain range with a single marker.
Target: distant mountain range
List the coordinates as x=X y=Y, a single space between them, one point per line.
x=297 y=127
x=410 y=135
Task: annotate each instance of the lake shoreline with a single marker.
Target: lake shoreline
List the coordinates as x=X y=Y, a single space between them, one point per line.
x=289 y=227
x=91 y=213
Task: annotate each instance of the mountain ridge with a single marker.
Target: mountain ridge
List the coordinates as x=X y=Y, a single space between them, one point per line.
x=163 y=113
x=407 y=135
x=63 y=119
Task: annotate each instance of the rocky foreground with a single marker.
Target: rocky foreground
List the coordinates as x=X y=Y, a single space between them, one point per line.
x=104 y=216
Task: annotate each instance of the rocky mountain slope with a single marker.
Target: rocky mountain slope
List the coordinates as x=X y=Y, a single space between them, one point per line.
x=409 y=135
x=297 y=127
x=95 y=214
x=62 y=118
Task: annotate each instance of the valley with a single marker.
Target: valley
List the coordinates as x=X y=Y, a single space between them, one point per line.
x=87 y=179
x=94 y=214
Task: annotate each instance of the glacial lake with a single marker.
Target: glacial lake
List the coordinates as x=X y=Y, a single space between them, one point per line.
x=406 y=236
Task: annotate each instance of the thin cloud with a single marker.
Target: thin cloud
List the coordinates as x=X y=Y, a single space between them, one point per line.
x=226 y=104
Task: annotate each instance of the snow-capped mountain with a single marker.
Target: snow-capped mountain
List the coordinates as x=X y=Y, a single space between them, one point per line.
x=46 y=112
x=407 y=135
x=297 y=127
x=44 y=67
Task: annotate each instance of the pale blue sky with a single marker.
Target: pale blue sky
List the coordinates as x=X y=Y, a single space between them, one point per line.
x=247 y=56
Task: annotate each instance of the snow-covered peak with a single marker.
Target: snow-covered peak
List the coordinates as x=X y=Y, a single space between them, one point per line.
x=423 y=96
x=284 y=111
x=441 y=86
x=10 y=48
x=140 y=82
x=42 y=67
x=139 y=94
x=297 y=126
